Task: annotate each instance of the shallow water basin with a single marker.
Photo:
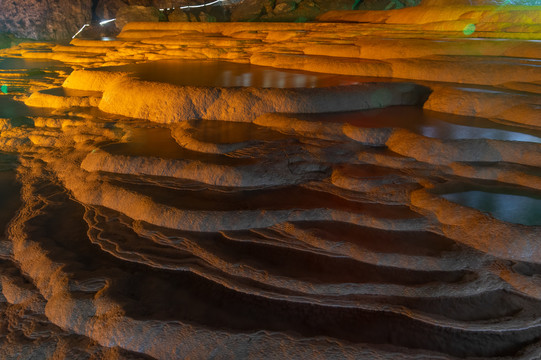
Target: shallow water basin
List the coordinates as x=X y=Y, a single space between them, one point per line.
x=9 y=191
x=513 y=208
x=228 y=74
x=29 y=64
x=432 y=124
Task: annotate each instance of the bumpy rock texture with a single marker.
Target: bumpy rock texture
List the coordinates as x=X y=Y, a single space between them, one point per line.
x=50 y=20
x=108 y=9
x=60 y=19
x=304 y=10
x=136 y=13
x=159 y=227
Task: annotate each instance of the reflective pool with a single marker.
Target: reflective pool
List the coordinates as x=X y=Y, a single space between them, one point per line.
x=228 y=74
x=518 y=209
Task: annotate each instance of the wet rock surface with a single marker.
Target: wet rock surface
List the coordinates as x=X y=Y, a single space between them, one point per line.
x=206 y=224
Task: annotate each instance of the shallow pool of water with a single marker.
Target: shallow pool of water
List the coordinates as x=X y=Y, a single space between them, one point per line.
x=9 y=190
x=433 y=124
x=29 y=64
x=513 y=208
x=266 y=242
x=228 y=74
x=10 y=108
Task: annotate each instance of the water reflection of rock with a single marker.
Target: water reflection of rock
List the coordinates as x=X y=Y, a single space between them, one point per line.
x=507 y=207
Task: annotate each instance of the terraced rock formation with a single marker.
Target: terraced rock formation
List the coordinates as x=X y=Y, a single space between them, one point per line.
x=361 y=187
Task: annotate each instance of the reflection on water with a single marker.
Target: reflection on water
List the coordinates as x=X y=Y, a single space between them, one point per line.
x=227 y=74
x=263 y=249
x=447 y=126
x=512 y=208
x=433 y=124
x=443 y=130
x=9 y=191
x=10 y=108
x=150 y=142
x=62 y=91
x=225 y=132
x=29 y=64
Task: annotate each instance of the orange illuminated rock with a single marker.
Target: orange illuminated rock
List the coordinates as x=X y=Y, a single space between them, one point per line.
x=521 y=108
x=94 y=80
x=58 y=98
x=169 y=104
x=491 y=235
x=435 y=151
x=295 y=214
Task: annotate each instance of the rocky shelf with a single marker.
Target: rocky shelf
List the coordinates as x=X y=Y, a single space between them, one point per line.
x=335 y=189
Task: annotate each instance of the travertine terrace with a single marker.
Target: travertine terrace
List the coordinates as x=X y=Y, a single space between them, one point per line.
x=364 y=186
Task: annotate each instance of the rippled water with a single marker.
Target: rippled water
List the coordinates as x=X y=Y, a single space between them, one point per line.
x=128 y=239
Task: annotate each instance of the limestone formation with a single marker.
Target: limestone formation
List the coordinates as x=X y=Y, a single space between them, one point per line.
x=136 y=13
x=385 y=4
x=372 y=192
x=59 y=19
x=44 y=20
x=204 y=17
x=249 y=10
x=284 y=7
x=178 y=15
x=108 y=9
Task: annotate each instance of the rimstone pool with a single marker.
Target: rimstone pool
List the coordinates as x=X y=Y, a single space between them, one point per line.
x=185 y=208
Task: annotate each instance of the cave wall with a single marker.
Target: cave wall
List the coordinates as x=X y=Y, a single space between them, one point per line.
x=107 y=9
x=470 y=2
x=44 y=19
x=60 y=19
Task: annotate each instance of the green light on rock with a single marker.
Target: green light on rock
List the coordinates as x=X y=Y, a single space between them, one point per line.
x=469 y=29
x=4 y=89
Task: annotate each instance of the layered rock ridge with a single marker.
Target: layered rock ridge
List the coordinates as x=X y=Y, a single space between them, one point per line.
x=191 y=208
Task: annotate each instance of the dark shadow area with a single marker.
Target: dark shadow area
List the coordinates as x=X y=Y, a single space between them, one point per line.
x=148 y=293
